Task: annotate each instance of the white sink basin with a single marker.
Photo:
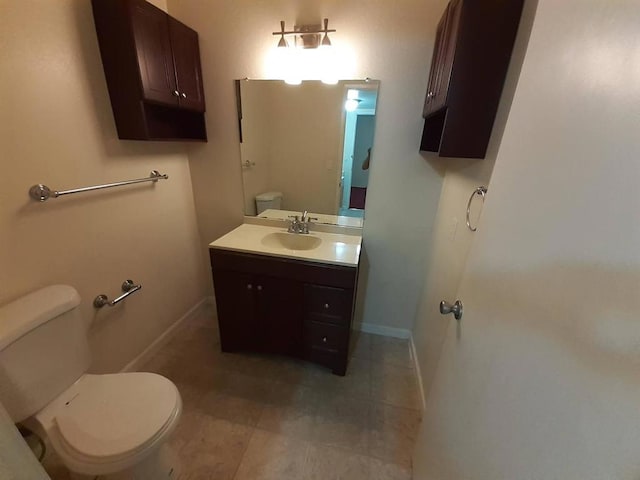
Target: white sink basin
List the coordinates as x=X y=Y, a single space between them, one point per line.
x=291 y=241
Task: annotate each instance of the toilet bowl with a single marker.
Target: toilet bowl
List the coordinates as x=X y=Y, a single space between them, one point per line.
x=114 y=426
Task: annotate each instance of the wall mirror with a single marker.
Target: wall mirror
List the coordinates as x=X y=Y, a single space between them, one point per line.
x=307 y=147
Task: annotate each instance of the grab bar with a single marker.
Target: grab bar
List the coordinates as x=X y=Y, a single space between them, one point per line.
x=128 y=287
x=42 y=193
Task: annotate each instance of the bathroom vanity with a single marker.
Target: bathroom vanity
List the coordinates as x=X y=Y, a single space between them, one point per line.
x=284 y=293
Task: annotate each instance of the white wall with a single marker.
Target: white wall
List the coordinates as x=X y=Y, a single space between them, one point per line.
x=541 y=379
x=392 y=42
x=451 y=238
x=56 y=128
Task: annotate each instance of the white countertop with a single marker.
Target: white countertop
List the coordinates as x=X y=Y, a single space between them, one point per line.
x=335 y=249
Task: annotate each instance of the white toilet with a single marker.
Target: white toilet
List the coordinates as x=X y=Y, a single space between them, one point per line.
x=268 y=200
x=114 y=426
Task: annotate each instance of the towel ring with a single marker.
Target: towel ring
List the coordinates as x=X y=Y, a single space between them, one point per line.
x=478 y=191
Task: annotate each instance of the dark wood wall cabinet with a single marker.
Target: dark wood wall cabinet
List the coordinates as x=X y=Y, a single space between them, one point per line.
x=471 y=55
x=284 y=306
x=152 y=66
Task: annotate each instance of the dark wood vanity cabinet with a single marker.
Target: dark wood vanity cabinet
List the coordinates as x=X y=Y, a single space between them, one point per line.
x=285 y=306
x=471 y=55
x=152 y=66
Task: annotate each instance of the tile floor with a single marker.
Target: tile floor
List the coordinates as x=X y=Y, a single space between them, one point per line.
x=254 y=417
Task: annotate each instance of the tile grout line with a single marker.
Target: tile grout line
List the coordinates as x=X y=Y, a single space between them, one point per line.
x=244 y=451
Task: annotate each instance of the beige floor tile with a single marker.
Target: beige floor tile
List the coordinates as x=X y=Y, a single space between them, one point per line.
x=301 y=397
x=388 y=471
x=260 y=417
x=245 y=386
x=227 y=407
x=393 y=432
x=360 y=345
x=325 y=463
x=253 y=365
x=356 y=383
x=396 y=386
x=189 y=426
x=290 y=421
x=214 y=450
x=298 y=372
x=343 y=423
x=273 y=457
x=191 y=396
x=390 y=351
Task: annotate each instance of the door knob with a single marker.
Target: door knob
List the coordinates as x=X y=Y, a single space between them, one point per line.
x=456 y=309
x=184 y=95
x=176 y=93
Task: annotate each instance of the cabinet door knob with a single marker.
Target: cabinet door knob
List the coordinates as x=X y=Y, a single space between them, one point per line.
x=249 y=286
x=326 y=306
x=184 y=95
x=176 y=93
x=259 y=287
x=324 y=339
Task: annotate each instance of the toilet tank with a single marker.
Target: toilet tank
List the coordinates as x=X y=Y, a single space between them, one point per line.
x=43 y=349
x=267 y=200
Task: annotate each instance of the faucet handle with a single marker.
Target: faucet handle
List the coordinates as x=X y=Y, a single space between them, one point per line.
x=293 y=224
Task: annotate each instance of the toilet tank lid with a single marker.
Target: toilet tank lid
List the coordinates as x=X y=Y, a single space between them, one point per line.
x=26 y=313
x=268 y=196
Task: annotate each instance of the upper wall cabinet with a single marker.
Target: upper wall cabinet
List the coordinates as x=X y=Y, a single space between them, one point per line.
x=471 y=55
x=152 y=66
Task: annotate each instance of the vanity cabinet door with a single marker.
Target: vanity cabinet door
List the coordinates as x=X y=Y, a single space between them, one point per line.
x=236 y=305
x=279 y=310
x=153 y=49
x=186 y=58
x=442 y=60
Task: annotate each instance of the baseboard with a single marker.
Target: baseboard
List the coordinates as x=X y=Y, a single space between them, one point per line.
x=416 y=369
x=385 y=331
x=135 y=364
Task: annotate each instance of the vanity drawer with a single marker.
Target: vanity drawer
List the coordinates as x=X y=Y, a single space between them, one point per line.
x=324 y=337
x=327 y=304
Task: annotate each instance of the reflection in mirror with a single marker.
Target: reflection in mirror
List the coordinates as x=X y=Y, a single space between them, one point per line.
x=307 y=147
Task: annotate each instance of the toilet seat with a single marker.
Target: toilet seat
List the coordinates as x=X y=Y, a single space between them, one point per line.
x=105 y=423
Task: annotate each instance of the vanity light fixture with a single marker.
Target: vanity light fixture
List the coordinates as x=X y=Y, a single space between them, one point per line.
x=306 y=36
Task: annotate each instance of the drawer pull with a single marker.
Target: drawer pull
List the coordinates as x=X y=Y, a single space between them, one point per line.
x=324 y=339
x=259 y=287
x=326 y=306
x=249 y=286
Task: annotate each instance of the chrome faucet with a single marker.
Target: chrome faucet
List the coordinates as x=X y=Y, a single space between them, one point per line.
x=300 y=224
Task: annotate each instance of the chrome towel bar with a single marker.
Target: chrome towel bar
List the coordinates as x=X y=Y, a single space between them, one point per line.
x=128 y=287
x=42 y=192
